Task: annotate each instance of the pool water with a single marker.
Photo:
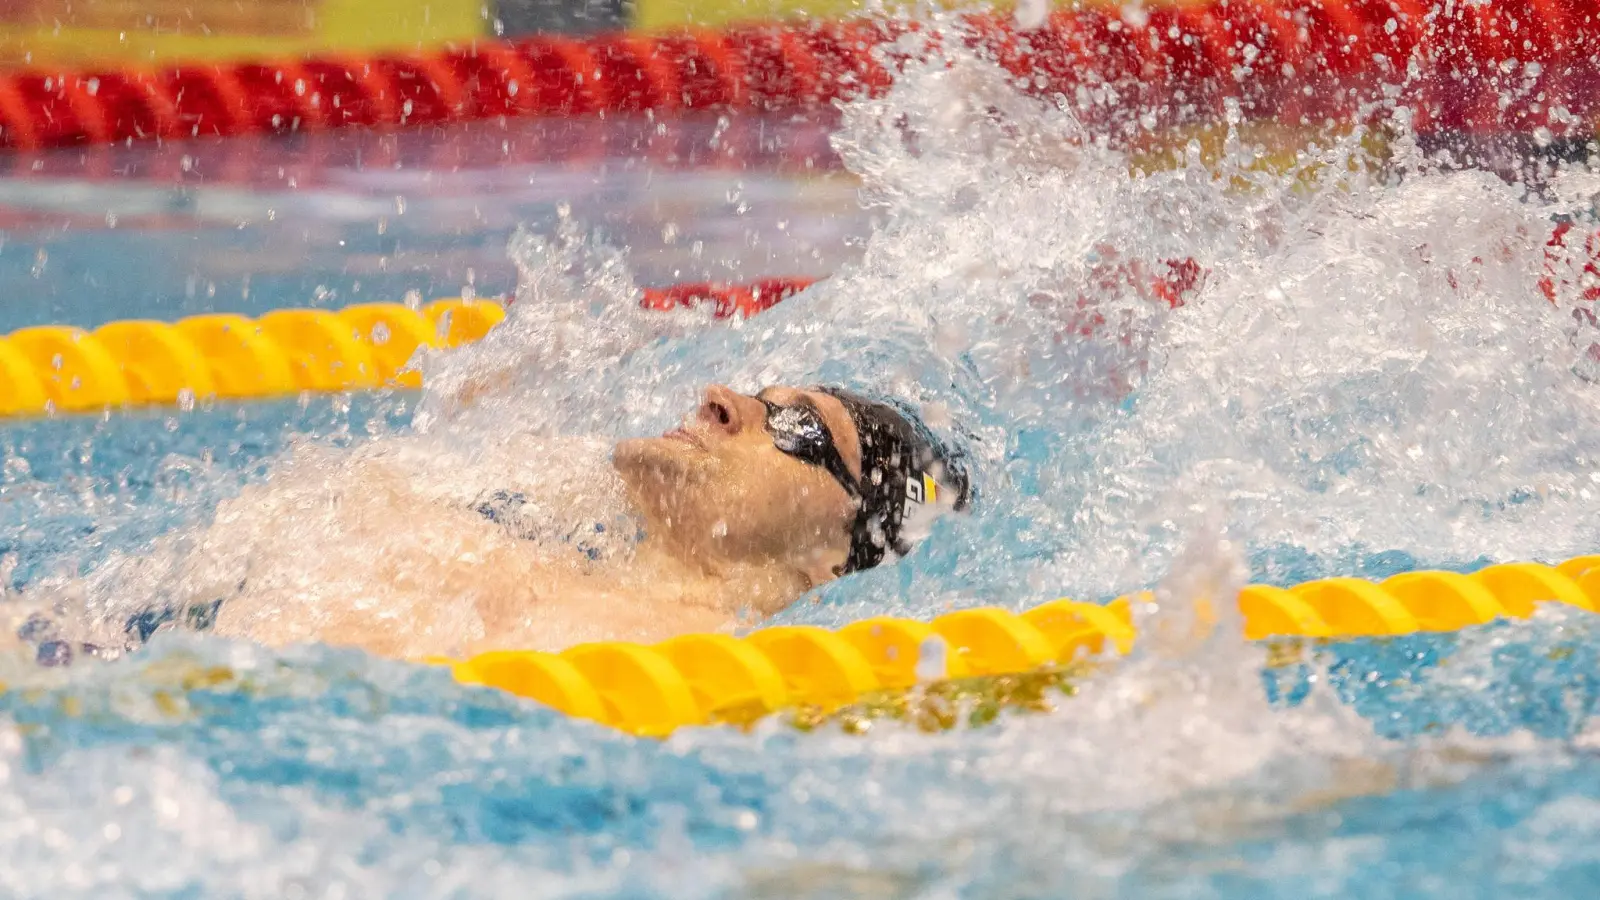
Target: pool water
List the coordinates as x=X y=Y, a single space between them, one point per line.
x=321 y=220
x=1369 y=381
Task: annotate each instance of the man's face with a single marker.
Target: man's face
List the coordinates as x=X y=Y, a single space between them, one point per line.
x=727 y=494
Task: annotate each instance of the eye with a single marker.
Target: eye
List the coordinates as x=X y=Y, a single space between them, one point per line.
x=795 y=421
x=796 y=430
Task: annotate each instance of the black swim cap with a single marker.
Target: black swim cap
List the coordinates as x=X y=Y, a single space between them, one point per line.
x=908 y=478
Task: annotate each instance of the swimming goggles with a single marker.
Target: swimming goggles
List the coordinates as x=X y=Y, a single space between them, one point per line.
x=799 y=431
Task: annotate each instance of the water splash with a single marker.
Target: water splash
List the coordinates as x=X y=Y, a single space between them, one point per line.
x=1366 y=366
x=1367 y=375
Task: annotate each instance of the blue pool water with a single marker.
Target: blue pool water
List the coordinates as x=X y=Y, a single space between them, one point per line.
x=320 y=220
x=1369 y=381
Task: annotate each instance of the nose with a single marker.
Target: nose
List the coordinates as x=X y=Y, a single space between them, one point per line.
x=723 y=410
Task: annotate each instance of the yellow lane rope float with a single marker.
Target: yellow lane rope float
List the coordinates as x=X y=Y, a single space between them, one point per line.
x=876 y=663
x=61 y=368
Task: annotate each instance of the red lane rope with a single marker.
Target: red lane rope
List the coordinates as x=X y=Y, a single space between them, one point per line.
x=1171 y=282
x=1571 y=278
x=725 y=300
x=1293 y=60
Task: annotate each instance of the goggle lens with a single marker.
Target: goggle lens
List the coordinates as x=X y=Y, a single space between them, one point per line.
x=800 y=432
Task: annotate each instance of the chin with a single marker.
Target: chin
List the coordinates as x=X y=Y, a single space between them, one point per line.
x=655 y=459
x=664 y=477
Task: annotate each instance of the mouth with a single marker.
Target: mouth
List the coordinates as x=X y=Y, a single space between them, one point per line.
x=678 y=434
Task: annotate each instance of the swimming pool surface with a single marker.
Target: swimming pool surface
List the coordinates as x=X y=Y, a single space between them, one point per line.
x=1370 y=382
x=251 y=225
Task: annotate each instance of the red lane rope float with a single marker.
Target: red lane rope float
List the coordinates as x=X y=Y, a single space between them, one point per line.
x=135 y=105
x=426 y=91
x=16 y=118
x=63 y=111
x=1509 y=65
x=1581 y=280
x=209 y=100
x=712 y=76
x=779 y=68
x=1572 y=277
x=277 y=97
x=633 y=76
x=563 y=73
x=351 y=92
x=725 y=301
x=494 y=81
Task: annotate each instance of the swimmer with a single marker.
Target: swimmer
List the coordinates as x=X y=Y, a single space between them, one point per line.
x=726 y=520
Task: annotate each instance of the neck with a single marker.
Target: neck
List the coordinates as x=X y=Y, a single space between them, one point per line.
x=669 y=573
x=663 y=566
x=655 y=593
